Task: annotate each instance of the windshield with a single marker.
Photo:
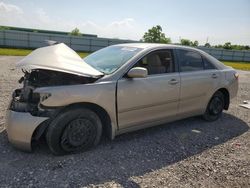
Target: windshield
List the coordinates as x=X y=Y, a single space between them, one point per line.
x=109 y=59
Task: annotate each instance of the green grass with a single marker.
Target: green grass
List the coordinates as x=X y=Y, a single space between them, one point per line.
x=83 y=54
x=15 y=52
x=24 y=52
x=238 y=65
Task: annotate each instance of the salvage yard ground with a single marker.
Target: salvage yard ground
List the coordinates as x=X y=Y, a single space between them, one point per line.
x=186 y=153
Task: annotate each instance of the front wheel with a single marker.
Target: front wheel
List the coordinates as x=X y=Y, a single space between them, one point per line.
x=215 y=107
x=74 y=130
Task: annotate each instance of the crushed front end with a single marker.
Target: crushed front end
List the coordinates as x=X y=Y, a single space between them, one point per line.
x=26 y=118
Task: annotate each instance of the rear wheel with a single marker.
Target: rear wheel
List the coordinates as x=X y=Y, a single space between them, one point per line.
x=74 y=130
x=215 y=107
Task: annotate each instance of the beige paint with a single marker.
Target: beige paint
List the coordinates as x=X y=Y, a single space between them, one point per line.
x=147 y=99
x=141 y=102
x=196 y=90
x=58 y=58
x=102 y=94
x=138 y=72
x=20 y=128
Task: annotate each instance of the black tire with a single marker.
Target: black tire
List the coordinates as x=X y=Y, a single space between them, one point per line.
x=74 y=130
x=215 y=107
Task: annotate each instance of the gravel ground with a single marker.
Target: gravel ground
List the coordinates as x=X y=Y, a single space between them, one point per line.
x=186 y=153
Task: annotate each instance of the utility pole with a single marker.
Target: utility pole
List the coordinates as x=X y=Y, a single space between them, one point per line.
x=207 y=40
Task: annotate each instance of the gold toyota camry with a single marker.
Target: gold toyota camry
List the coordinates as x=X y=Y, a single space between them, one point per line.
x=120 y=88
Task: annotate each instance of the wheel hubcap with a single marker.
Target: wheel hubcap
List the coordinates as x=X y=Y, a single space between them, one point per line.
x=216 y=106
x=77 y=134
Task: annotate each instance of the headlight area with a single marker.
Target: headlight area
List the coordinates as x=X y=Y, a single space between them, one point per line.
x=44 y=96
x=25 y=100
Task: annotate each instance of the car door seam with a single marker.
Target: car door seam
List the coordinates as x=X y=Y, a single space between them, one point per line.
x=147 y=106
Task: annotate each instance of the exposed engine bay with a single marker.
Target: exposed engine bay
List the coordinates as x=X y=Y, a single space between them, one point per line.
x=45 y=78
x=25 y=100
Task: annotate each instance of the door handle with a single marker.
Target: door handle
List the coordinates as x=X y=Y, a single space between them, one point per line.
x=173 y=82
x=214 y=75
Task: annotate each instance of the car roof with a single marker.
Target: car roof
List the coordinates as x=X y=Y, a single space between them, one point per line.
x=154 y=45
x=150 y=46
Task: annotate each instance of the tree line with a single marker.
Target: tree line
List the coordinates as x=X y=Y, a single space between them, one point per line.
x=155 y=35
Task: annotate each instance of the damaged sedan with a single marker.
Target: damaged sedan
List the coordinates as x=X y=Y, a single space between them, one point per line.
x=72 y=101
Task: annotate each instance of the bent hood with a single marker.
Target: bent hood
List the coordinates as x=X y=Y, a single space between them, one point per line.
x=58 y=58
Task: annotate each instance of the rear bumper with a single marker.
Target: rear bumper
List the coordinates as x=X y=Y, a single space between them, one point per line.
x=233 y=90
x=20 y=127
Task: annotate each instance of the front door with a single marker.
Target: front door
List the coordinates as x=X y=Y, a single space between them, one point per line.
x=150 y=99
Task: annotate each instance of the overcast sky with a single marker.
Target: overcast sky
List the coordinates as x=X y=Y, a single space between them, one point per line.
x=218 y=20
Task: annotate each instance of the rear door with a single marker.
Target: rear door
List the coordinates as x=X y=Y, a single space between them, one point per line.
x=199 y=80
x=154 y=98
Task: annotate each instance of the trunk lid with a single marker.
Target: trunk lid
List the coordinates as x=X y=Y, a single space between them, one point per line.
x=60 y=58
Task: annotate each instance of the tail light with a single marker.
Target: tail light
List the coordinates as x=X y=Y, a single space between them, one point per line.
x=236 y=75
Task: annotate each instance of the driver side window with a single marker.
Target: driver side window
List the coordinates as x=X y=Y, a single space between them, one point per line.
x=158 y=62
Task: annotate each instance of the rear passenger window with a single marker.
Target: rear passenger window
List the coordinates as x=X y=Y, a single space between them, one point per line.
x=190 y=61
x=208 y=64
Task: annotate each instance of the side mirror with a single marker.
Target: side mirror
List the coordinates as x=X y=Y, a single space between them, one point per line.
x=137 y=72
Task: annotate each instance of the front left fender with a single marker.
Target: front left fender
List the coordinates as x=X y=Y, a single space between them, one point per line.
x=20 y=127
